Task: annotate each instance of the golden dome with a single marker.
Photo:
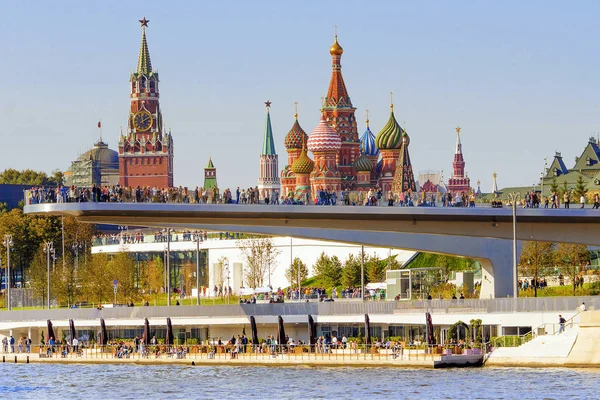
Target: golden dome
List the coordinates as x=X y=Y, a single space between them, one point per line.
x=336 y=49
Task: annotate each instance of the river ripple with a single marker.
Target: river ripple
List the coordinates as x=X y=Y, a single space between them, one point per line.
x=77 y=381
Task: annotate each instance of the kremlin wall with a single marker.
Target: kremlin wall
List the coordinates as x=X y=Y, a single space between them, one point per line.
x=333 y=157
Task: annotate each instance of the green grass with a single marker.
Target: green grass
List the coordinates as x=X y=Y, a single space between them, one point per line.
x=159 y=300
x=589 y=289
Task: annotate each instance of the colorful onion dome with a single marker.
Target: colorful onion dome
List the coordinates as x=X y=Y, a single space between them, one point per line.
x=303 y=164
x=390 y=137
x=363 y=164
x=295 y=137
x=336 y=49
x=324 y=139
x=367 y=143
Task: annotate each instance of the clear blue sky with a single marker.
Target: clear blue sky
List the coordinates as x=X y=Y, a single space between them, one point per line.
x=520 y=77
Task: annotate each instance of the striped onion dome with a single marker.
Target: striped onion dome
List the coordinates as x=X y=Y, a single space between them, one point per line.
x=324 y=139
x=303 y=164
x=367 y=144
x=295 y=137
x=390 y=137
x=363 y=164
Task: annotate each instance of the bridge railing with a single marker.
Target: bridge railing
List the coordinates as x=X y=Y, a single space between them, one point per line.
x=479 y=306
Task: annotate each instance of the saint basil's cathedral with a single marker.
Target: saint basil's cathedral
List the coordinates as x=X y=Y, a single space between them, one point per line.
x=341 y=159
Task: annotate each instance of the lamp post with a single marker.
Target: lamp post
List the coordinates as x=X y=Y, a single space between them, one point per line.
x=122 y=228
x=48 y=249
x=543 y=173
x=514 y=197
x=168 y=266
x=362 y=272
x=197 y=240
x=227 y=288
x=8 y=242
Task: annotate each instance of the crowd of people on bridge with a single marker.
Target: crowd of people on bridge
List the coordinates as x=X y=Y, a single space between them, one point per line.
x=374 y=196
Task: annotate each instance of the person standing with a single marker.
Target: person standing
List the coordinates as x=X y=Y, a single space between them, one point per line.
x=561 y=323
x=12 y=344
x=28 y=345
x=566 y=199
x=582 y=201
x=5 y=344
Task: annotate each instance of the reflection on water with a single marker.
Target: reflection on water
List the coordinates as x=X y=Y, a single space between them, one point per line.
x=74 y=381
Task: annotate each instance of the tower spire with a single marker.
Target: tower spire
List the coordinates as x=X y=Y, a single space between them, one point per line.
x=268 y=142
x=296 y=110
x=144 y=64
x=458 y=144
x=367 y=118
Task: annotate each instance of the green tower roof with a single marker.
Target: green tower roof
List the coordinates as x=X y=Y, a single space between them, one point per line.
x=268 y=142
x=144 y=64
x=210 y=164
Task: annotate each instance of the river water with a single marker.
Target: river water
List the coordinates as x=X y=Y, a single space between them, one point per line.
x=78 y=381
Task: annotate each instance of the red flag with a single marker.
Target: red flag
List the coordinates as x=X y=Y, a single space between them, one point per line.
x=99 y=124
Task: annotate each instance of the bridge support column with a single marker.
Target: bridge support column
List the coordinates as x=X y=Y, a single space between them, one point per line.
x=497 y=277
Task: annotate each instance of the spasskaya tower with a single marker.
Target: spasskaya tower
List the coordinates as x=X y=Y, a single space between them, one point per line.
x=146 y=150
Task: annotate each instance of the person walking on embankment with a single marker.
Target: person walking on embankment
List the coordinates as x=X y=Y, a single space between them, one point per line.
x=561 y=322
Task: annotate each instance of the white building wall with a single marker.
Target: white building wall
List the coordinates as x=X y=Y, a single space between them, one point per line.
x=307 y=250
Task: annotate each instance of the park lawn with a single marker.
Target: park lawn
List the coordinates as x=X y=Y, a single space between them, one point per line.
x=589 y=289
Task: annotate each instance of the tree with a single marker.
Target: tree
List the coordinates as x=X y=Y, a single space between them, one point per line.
x=153 y=276
x=351 y=271
x=65 y=281
x=122 y=268
x=580 y=189
x=189 y=277
x=38 y=275
x=536 y=260
x=30 y=177
x=298 y=268
x=376 y=267
x=565 y=189
x=260 y=255
x=571 y=260
x=554 y=186
x=328 y=270
x=222 y=262
x=97 y=279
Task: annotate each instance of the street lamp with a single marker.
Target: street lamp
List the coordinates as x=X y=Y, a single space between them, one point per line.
x=197 y=240
x=227 y=288
x=362 y=272
x=48 y=249
x=122 y=229
x=168 y=266
x=8 y=242
x=514 y=198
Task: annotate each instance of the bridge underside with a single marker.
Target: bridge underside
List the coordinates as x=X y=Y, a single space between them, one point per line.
x=481 y=233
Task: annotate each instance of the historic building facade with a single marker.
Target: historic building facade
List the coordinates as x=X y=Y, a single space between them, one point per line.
x=146 y=150
x=98 y=166
x=339 y=114
x=459 y=181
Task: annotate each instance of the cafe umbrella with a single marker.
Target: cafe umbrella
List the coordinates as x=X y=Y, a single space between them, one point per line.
x=312 y=331
x=281 y=333
x=169 y=338
x=145 y=337
x=367 y=330
x=103 y=333
x=50 y=331
x=72 y=330
x=254 y=330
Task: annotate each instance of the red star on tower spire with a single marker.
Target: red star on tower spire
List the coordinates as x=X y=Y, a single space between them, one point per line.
x=144 y=22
